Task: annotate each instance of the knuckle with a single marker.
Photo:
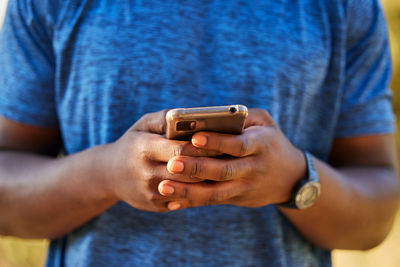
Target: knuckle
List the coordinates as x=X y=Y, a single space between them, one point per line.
x=145 y=117
x=219 y=145
x=244 y=146
x=188 y=197
x=154 y=177
x=141 y=150
x=177 y=150
x=139 y=123
x=214 y=197
x=226 y=172
x=150 y=175
x=274 y=139
x=195 y=170
x=264 y=114
x=153 y=198
x=268 y=118
x=185 y=192
x=148 y=196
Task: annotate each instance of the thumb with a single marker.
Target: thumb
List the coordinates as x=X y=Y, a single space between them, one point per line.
x=259 y=117
x=151 y=122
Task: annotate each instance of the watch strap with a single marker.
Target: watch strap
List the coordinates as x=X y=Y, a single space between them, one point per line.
x=311 y=175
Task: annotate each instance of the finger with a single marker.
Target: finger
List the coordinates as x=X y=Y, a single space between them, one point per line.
x=152 y=122
x=247 y=143
x=160 y=170
x=200 y=194
x=160 y=201
x=157 y=148
x=259 y=117
x=210 y=168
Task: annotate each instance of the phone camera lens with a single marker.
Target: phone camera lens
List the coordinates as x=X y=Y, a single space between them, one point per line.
x=232 y=109
x=185 y=125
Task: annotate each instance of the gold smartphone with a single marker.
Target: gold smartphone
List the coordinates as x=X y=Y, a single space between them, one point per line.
x=182 y=123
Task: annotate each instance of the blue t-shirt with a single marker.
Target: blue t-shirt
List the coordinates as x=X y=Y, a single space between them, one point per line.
x=92 y=68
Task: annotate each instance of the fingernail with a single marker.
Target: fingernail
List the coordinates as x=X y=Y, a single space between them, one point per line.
x=175 y=166
x=167 y=190
x=199 y=140
x=173 y=205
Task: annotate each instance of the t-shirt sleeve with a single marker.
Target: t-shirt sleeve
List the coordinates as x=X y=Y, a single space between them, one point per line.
x=366 y=104
x=27 y=66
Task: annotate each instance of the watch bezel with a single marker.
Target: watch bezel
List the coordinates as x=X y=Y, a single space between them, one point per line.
x=302 y=203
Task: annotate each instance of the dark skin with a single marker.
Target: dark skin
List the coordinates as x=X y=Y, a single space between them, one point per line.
x=358 y=202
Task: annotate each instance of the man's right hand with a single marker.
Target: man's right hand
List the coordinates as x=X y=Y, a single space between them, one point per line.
x=137 y=162
x=42 y=196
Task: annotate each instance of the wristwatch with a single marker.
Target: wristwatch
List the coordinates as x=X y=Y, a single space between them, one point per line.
x=307 y=190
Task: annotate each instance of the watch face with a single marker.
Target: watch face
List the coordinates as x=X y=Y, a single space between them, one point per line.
x=308 y=194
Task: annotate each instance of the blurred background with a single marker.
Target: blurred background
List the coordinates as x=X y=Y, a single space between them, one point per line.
x=18 y=252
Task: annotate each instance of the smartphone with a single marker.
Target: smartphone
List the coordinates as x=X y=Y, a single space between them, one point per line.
x=182 y=123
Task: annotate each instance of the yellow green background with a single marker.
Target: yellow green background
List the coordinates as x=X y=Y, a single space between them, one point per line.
x=17 y=252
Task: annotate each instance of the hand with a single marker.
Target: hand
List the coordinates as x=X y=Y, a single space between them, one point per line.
x=262 y=170
x=136 y=163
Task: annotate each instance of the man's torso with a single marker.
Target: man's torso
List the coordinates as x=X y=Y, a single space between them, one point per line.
x=117 y=61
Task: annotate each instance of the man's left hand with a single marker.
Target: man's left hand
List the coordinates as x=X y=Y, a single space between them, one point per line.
x=262 y=168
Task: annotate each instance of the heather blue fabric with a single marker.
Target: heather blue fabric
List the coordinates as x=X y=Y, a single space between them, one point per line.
x=92 y=68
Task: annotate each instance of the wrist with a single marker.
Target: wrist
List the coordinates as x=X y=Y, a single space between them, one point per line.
x=297 y=170
x=307 y=190
x=99 y=172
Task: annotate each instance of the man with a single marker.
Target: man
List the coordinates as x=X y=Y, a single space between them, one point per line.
x=81 y=73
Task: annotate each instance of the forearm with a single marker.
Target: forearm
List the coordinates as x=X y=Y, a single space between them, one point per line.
x=42 y=197
x=355 y=210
